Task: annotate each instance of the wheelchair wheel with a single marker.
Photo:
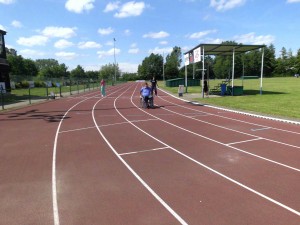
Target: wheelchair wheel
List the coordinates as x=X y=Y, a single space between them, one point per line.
x=142 y=103
x=151 y=105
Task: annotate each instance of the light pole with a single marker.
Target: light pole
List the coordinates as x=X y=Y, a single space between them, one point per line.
x=115 y=77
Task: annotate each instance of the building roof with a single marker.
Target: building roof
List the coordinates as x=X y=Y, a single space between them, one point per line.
x=225 y=49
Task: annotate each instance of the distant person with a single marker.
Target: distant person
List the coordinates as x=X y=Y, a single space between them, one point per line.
x=205 y=88
x=145 y=93
x=153 y=85
x=102 y=87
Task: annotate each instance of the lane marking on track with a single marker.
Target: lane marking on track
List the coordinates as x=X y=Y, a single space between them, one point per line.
x=213 y=170
x=54 y=190
x=143 y=151
x=237 y=149
x=79 y=129
x=54 y=183
x=239 y=142
x=137 y=121
x=158 y=198
x=264 y=128
x=226 y=128
x=238 y=112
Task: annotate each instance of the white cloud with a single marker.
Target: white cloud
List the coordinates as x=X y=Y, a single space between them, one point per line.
x=62 y=43
x=163 y=43
x=60 y=32
x=112 y=6
x=78 y=6
x=88 y=44
x=214 y=41
x=33 y=40
x=66 y=55
x=130 y=9
x=133 y=50
x=127 y=32
x=105 y=31
x=110 y=52
x=201 y=34
x=292 y=1
x=161 y=51
x=128 y=67
x=161 y=34
x=29 y=53
x=2 y=27
x=7 y=2
x=250 y=38
x=223 y=5
x=16 y=24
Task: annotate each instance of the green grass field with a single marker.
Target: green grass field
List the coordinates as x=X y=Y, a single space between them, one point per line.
x=280 y=96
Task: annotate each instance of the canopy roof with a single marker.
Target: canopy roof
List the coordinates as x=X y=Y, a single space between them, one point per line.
x=225 y=49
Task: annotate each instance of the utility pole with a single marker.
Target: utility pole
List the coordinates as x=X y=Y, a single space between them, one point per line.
x=115 y=77
x=163 y=66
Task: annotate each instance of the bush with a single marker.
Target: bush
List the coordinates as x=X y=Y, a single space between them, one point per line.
x=24 y=84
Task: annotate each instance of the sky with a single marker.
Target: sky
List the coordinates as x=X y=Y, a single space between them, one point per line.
x=93 y=33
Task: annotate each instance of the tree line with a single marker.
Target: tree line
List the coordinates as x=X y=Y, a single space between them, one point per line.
x=219 y=67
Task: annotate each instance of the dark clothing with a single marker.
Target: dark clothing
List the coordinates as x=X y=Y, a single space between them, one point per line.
x=153 y=86
x=205 y=88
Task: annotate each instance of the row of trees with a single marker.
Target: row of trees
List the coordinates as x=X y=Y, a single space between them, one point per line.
x=248 y=64
x=50 y=69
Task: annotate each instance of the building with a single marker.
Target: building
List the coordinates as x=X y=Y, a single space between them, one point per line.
x=4 y=66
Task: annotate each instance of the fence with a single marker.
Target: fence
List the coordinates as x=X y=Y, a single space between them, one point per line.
x=28 y=89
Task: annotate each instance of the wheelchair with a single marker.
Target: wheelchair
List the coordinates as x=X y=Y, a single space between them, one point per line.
x=148 y=104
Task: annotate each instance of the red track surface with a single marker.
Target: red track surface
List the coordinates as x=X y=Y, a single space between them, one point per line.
x=92 y=160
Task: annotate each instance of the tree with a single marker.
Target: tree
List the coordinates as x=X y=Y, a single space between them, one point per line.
x=107 y=72
x=151 y=66
x=78 y=73
x=50 y=68
x=30 y=67
x=16 y=64
x=173 y=62
x=269 y=61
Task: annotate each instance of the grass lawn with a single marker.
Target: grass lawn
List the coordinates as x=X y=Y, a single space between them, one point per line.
x=280 y=96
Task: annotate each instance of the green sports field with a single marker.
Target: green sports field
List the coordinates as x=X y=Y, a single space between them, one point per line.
x=280 y=96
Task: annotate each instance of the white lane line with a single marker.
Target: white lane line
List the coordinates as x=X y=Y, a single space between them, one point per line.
x=215 y=171
x=238 y=112
x=239 y=142
x=237 y=149
x=226 y=128
x=79 y=129
x=137 y=152
x=54 y=183
x=158 y=198
x=54 y=190
x=264 y=128
x=143 y=120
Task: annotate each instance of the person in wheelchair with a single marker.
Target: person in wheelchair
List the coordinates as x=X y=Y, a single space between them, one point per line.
x=146 y=95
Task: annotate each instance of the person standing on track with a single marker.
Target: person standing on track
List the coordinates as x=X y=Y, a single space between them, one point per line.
x=102 y=87
x=153 y=85
x=145 y=93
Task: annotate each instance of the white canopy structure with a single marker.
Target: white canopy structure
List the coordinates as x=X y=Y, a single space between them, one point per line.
x=197 y=54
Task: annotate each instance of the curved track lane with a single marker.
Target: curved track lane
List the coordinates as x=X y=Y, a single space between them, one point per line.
x=115 y=163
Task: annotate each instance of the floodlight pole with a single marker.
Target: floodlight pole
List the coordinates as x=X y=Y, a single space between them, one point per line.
x=163 y=66
x=233 y=53
x=115 y=77
x=262 y=69
x=203 y=72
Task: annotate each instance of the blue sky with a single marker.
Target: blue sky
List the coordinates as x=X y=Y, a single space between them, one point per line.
x=82 y=32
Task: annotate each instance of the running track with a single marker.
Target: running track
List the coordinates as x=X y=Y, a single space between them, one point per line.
x=90 y=160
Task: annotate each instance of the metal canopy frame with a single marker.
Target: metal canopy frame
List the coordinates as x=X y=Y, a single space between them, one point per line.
x=225 y=50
